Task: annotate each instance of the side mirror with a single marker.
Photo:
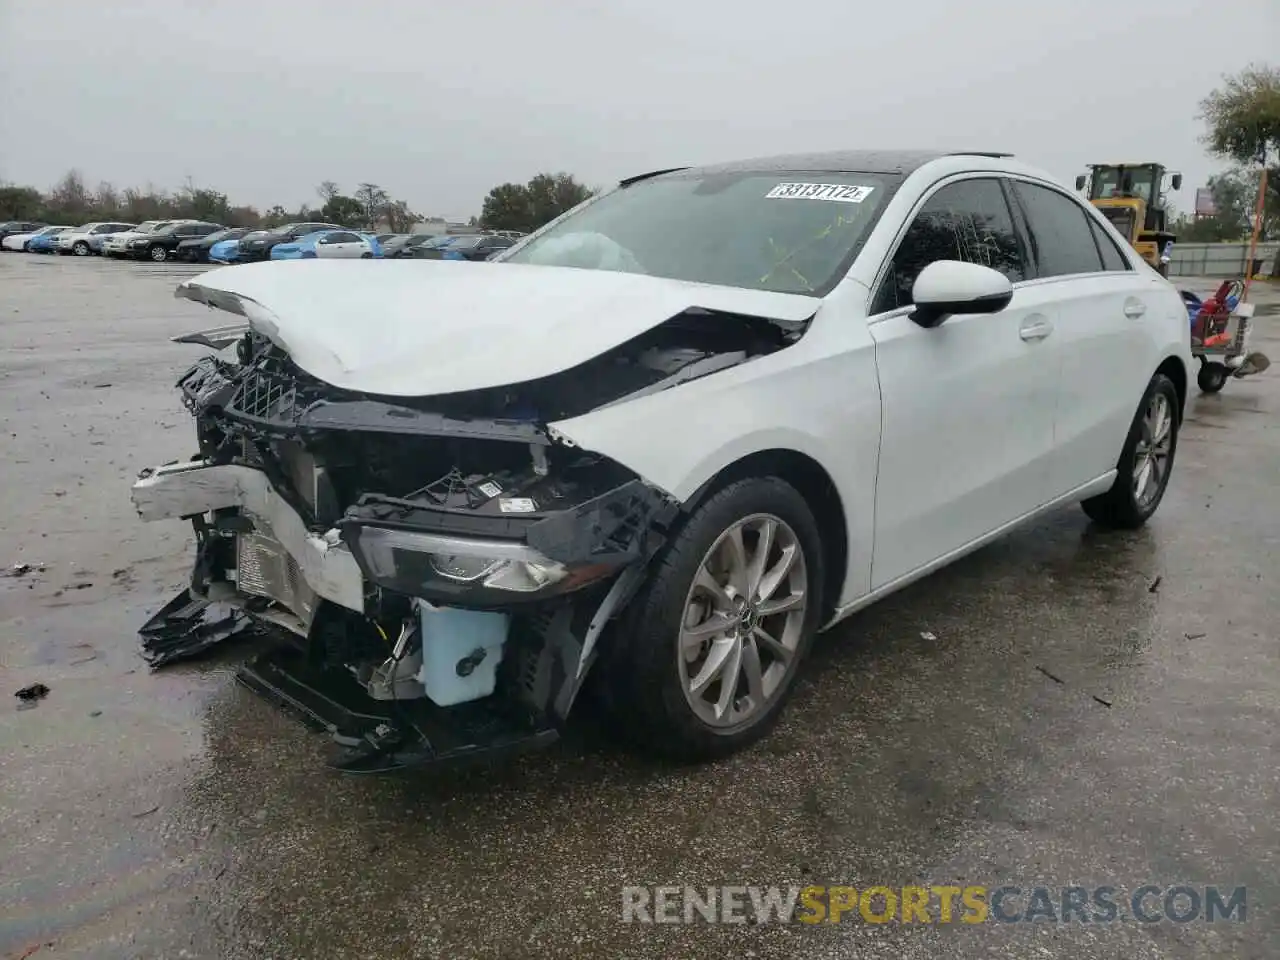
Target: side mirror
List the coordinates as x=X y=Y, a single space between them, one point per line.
x=1080 y=181
x=947 y=287
x=1176 y=181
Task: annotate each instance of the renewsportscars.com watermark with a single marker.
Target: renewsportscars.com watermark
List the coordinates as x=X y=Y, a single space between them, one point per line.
x=970 y=904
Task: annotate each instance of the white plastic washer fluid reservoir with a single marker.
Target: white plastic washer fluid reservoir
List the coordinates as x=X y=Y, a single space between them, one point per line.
x=461 y=650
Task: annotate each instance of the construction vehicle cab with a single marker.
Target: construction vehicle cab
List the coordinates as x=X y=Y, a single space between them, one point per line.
x=1131 y=196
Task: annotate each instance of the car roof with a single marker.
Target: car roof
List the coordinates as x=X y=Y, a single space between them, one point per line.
x=898 y=162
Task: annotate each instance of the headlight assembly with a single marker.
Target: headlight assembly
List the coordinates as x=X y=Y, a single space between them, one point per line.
x=484 y=572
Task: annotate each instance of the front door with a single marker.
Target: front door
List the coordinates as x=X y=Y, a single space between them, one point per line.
x=968 y=406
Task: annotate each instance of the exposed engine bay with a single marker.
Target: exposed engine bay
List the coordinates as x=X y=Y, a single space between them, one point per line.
x=444 y=565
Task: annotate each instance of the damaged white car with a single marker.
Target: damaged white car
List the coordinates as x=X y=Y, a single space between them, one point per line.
x=661 y=444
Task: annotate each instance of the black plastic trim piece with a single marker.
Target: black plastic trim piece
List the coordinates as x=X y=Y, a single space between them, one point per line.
x=384 y=736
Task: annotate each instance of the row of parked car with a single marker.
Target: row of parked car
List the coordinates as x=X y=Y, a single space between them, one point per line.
x=197 y=241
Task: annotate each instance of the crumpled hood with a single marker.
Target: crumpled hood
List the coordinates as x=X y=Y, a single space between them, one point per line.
x=413 y=328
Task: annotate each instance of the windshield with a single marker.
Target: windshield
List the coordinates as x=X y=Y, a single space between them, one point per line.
x=790 y=232
x=1138 y=182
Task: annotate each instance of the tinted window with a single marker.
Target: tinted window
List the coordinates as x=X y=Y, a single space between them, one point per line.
x=1060 y=234
x=1112 y=258
x=968 y=221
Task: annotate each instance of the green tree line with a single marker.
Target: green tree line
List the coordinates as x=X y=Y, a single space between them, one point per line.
x=508 y=206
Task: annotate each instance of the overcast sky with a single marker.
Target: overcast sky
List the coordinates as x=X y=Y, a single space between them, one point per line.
x=439 y=101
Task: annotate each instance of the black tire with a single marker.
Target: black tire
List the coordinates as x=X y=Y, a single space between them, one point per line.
x=366 y=256
x=80 y=248
x=157 y=253
x=1119 y=507
x=640 y=661
x=1212 y=377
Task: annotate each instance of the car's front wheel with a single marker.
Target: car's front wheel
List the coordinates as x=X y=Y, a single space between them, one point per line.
x=709 y=650
x=80 y=248
x=157 y=253
x=1142 y=473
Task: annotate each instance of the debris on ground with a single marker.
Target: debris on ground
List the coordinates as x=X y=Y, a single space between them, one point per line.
x=1105 y=703
x=926 y=635
x=1155 y=585
x=1050 y=675
x=37 y=691
x=22 y=569
x=186 y=626
x=1195 y=636
x=146 y=813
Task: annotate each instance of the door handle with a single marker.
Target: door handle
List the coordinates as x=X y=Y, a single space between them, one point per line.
x=1133 y=309
x=1035 y=328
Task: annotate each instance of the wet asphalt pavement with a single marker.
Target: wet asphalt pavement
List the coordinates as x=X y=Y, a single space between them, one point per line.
x=1092 y=708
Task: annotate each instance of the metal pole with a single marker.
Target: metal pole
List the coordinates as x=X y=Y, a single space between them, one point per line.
x=1257 y=228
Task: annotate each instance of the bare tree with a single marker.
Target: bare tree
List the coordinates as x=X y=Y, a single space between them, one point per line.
x=372 y=198
x=327 y=191
x=400 y=219
x=107 y=200
x=70 y=197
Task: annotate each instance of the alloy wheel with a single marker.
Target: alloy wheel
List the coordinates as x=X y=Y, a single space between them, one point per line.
x=159 y=254
x=743 y=620
x=1151 y=455
x=81 y=249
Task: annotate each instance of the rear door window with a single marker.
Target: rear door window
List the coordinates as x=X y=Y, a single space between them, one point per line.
x=1061 y=239
x=968 y=220
x=1112 y=258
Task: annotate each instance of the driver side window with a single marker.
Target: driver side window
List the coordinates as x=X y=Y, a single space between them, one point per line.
x=968 y=220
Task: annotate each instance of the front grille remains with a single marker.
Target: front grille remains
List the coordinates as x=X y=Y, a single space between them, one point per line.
x=262 y=395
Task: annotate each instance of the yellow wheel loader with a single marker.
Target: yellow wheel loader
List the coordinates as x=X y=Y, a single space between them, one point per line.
x=1131 y=196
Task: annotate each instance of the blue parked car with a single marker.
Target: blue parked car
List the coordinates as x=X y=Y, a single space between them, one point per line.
x=228 y=251
x=329 y=244
x=46 y=242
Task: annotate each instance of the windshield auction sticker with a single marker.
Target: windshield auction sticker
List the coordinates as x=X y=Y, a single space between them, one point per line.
x=833 y=192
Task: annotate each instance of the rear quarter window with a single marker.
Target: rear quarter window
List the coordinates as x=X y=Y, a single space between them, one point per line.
x=1061 y=237
x=1112 y=258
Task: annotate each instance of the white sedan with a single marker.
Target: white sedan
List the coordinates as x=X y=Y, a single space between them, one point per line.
x=19 y=241
x=666 y=440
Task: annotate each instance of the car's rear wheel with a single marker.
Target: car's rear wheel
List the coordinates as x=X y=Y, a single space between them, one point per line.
x=80 y=248
x=708 y=652
x=157 y=253
x=1145 y=462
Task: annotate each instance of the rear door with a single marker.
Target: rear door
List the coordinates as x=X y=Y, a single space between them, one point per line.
x=968 y=406
x=1104 y=301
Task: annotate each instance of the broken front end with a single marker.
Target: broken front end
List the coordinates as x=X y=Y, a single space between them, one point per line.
x=443 y=568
